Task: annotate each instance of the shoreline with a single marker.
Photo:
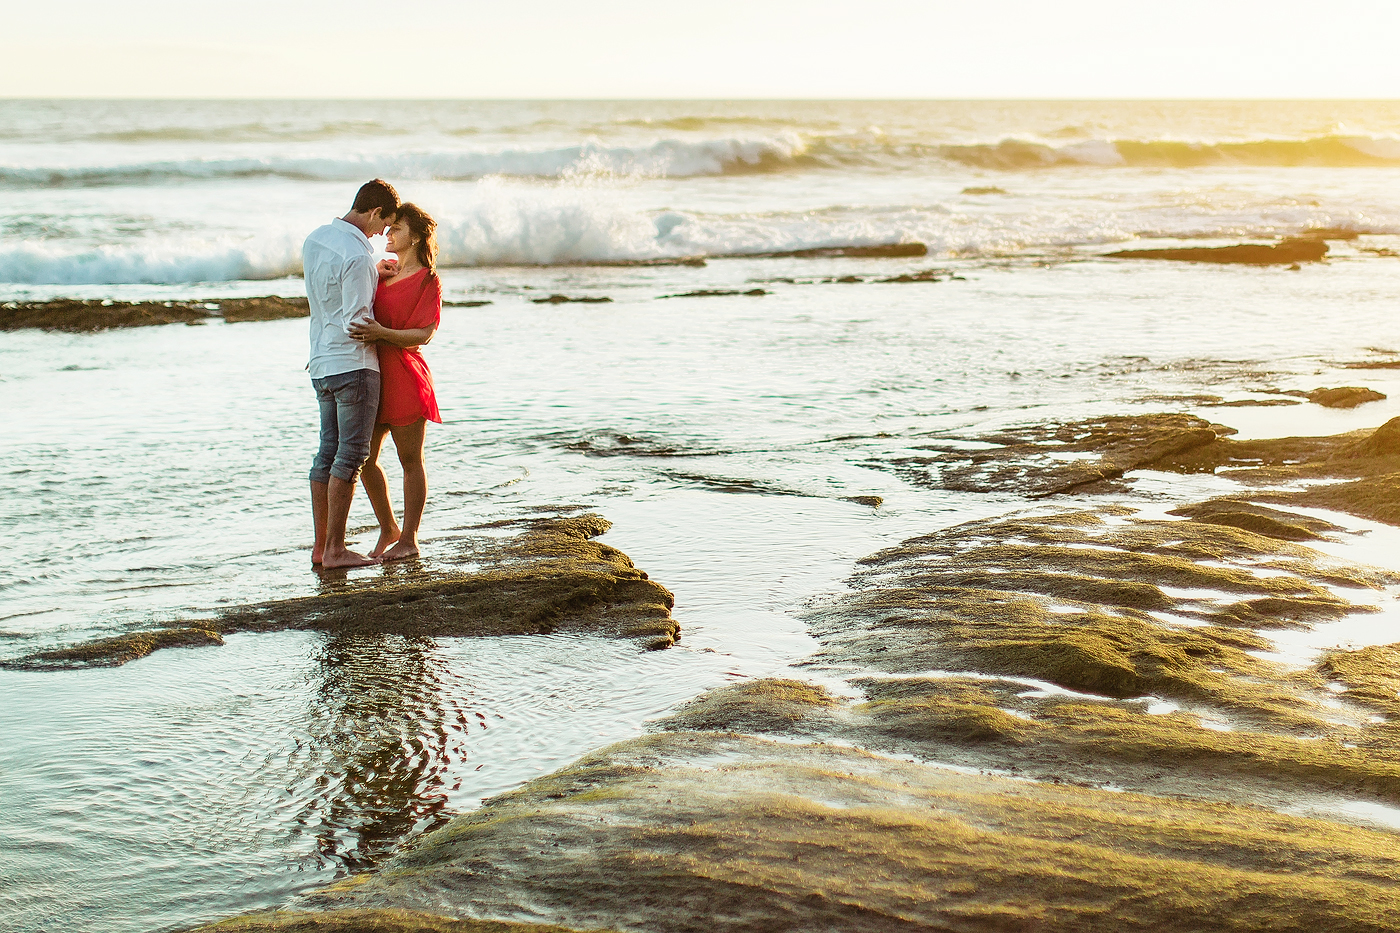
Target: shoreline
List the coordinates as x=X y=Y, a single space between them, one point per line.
x=1062 y=719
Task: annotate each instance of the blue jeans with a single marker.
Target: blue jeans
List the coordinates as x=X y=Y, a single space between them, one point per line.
x=349 y=404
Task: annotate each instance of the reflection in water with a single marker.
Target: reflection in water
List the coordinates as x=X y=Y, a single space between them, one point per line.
x=384 y=723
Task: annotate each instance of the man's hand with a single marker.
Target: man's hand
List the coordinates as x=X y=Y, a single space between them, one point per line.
x=388 y=267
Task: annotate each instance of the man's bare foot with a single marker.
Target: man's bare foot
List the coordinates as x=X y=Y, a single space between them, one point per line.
x=403 y=550
x=315 y=556
x=344 y=557
x=387 y=539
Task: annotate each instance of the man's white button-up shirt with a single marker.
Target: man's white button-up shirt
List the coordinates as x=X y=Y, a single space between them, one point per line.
x=341 y=278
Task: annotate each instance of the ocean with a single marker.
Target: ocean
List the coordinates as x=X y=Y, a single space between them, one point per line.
x=159 y=473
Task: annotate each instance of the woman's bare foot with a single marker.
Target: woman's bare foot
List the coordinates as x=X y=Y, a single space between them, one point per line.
x=344 y=557
x=387 y=539
x=403 y=550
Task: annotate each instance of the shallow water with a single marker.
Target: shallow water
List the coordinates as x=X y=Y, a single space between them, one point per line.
x=159 y=473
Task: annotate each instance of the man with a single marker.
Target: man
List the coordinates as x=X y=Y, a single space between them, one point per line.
x=341 y=278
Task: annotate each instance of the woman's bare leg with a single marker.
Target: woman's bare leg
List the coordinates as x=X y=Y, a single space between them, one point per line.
x=377 y=489
x=408 y=439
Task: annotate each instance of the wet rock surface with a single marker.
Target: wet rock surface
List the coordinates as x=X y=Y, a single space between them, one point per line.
x=1040 y=460
x=78 y=316
x=1016 y=660
x=566 y=299
x=549 y=577
x=1121 y=661
x=371 y=921
x=718 y=293
x=704 y=831
x=1285 y=252
x=113 y=652
x=1344 y=396
x=1369 y=461
x=882 y=251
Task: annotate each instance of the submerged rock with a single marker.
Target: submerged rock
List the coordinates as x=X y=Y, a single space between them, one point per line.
x=565 y=299
x=882 y=251
x=1286 y=252
x=67 y=314
x=549 y=578
x=718 y=293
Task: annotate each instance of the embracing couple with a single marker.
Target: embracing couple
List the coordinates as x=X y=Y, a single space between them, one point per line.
x=367 y=323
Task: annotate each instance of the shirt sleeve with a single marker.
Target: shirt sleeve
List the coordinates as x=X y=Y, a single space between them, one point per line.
x=357 y=287
x=428 y=311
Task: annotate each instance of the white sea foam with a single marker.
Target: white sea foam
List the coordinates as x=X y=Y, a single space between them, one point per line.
x=502 y=221
x=148 y=262
x=511 y=223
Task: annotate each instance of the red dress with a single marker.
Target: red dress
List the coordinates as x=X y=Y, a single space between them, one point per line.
x=406 y=386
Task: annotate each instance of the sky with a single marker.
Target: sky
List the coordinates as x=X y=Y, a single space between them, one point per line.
x=716 y=49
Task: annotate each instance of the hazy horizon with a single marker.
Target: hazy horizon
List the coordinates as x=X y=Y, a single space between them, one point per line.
x=730 y=50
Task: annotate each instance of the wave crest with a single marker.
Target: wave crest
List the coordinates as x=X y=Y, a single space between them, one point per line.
x=1323 y=151
x=667 y=158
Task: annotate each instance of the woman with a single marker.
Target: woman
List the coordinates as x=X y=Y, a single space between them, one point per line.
x=407 y=308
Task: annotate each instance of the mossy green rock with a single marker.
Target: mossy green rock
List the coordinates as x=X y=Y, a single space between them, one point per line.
x=701 y=832
x=551 y=577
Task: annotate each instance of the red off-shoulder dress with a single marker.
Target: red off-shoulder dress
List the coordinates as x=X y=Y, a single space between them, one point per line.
x=406 y=386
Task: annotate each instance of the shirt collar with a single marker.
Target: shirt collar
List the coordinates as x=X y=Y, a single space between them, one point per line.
x=359 y=234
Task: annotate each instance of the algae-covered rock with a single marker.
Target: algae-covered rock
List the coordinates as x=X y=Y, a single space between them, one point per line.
x=702 y=832
x=1259 y=519
x=934 y=712
x=1382 y=443
x=1082 y=603
x=370 y=920
x=1000 y=632
x=1285 y=252
x=1371 y=458
x=1040 y=460
x=237 y=310
x=753 y=706
x=1046 y=459
x=86 y=316
x=113 y=652
x=549 y=578
x=1344 y=396
x=1369 y=676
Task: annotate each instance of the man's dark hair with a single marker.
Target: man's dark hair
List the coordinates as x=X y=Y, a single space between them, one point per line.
x=378 y=193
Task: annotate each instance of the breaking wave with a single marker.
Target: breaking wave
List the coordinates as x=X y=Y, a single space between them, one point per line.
x=669 y=158
x=1326 y=151
x=160 y=262
x=506 y=223
x=789 y=151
